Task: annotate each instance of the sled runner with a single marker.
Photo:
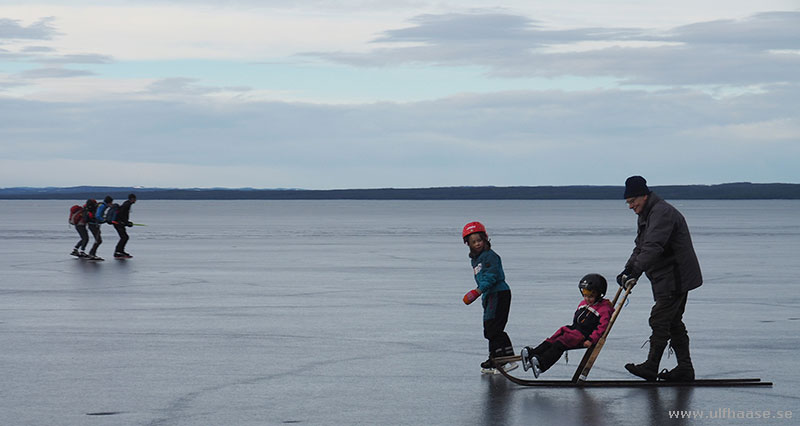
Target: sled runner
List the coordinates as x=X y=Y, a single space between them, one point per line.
x=589 y=357
x=634 y=383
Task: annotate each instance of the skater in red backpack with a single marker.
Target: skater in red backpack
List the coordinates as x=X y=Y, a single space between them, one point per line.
x=80 y=218
x=494 y=292
x=588 y=325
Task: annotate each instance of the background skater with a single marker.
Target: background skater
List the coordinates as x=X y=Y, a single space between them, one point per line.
x=80 y=218
x=494 y=291
x=122 y=221
x=664 y=252
x=94 y=227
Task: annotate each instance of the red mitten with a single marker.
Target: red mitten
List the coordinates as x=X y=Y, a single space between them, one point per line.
x=471 y=296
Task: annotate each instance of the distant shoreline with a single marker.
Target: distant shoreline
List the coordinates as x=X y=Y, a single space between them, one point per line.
x=726 y=191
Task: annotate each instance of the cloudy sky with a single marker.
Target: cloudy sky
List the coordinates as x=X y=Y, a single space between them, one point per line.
x=398 y=93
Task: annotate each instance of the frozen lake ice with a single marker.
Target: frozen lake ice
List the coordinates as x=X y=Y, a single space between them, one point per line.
x=350 y=312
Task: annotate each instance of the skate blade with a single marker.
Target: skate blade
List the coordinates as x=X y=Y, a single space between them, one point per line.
x=506 y=367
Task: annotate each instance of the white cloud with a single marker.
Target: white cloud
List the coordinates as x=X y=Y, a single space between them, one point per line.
x=695 y=92
x=13 y=29
x=716 y=52
x=519 y=138
x=53 y=73
x=131 y=173
x=158 y=32
x=740 y=135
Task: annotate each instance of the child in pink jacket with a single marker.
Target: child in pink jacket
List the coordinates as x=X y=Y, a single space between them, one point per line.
x=589 y=323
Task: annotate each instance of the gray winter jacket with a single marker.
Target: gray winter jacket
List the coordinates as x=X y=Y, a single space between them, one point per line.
x=664 y=250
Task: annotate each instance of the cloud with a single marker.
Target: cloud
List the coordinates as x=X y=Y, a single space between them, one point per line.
x=187 y=87
x=710 y=99
x=5 y=85
x=520 y=137
x=11 y=29
x=727 y=52
x=81 y=58
x=762 y=31
x=128 y=173
x=37 y=49
x=13 y=33
x=53 y=73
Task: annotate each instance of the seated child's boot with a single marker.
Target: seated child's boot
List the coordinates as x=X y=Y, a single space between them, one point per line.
x=535 y=367
x=526 y=355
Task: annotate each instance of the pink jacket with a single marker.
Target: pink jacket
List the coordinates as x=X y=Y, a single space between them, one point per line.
x=592 y=320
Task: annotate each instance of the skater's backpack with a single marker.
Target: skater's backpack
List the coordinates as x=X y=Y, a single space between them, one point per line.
x=74 y=214
x=111 y=212
x=102 y=213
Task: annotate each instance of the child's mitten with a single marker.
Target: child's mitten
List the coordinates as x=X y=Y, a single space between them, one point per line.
x=471 y=296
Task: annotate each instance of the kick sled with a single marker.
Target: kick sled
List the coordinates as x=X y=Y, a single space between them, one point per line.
x=579 y=378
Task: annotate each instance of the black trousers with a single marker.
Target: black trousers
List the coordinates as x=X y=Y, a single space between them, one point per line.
x=496 y=307
x=84 y=237
x=123 y=237
x=97 y=239
x=666 y=321
x=548 y=354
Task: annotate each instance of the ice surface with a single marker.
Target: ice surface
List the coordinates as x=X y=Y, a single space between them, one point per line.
x=350 y=312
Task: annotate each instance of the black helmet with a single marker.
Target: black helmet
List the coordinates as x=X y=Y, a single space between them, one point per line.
x=595 y=283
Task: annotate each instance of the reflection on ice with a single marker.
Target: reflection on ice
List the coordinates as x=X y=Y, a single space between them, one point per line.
x=349 y=312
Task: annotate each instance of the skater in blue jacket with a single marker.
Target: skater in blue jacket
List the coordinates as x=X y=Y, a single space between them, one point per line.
x=495 y=294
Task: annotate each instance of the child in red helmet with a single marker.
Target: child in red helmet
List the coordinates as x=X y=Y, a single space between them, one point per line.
x=589 y=323
x=495 y=294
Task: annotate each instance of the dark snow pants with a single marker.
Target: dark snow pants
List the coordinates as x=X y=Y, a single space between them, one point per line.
x=123 y=237
x=495 y=316
x=84 y=237
x=97 y=239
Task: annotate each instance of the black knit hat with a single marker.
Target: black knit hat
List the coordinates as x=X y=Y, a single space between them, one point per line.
x=635 y=186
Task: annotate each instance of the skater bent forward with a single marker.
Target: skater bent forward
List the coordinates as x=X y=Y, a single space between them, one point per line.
x=122 y=221
x=81 y=219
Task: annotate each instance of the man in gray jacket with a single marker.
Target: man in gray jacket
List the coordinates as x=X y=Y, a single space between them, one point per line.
x=664 y=252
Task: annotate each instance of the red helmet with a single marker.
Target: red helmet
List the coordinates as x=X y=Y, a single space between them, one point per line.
x=472 y=228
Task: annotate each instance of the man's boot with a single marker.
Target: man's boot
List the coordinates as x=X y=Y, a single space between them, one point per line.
x=648 y=370
x=684 y=372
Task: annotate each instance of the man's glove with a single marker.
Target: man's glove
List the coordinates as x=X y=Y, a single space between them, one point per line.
x=623 y=277
x=626 y=280
x=471 y=296
x=129 y=224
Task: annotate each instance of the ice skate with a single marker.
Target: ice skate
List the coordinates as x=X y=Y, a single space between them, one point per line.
x=525 y=354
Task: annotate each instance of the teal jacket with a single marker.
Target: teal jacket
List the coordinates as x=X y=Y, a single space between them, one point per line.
x=489 y=275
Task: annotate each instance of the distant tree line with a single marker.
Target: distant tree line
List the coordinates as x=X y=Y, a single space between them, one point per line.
x=726 y=191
